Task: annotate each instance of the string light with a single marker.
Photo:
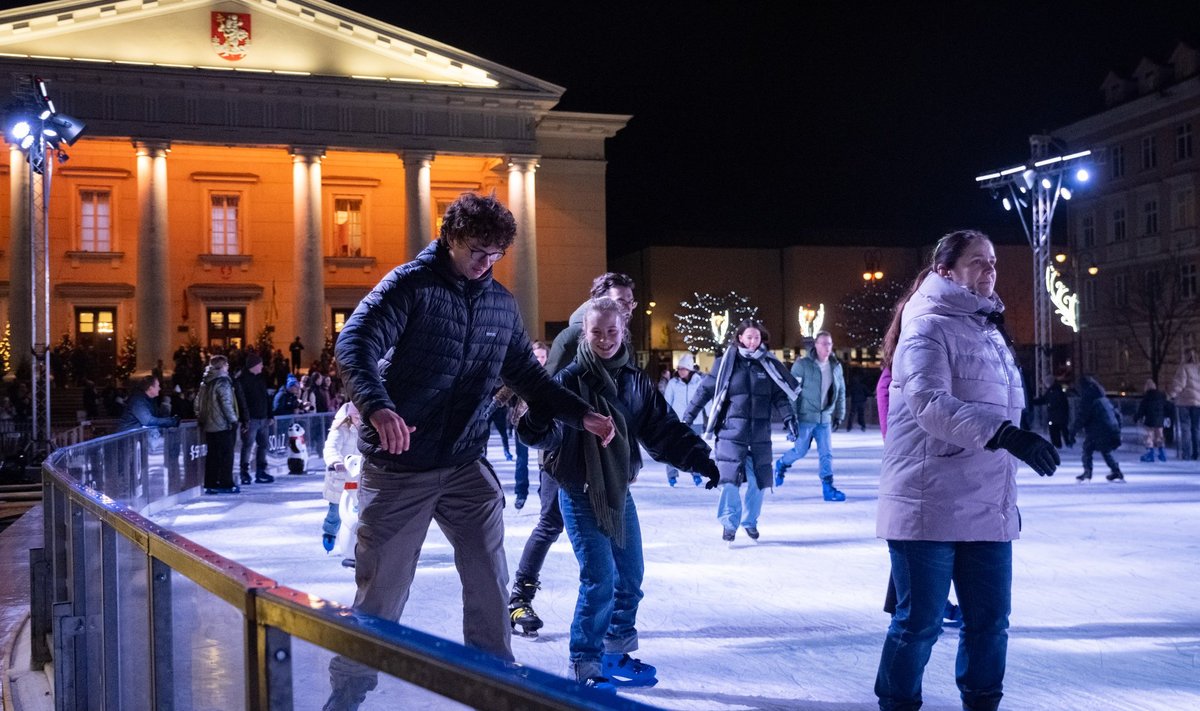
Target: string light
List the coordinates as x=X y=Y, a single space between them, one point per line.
x=695 y=322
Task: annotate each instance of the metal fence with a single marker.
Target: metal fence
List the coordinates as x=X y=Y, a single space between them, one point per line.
x=134 y=616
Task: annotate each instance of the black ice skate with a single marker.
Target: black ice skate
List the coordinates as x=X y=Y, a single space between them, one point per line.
x=525 y=622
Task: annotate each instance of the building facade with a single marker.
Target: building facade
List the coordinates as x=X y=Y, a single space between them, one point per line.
x=259 y=166
x=1133 y=248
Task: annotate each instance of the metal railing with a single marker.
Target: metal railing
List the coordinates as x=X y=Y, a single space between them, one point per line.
x=134 y=616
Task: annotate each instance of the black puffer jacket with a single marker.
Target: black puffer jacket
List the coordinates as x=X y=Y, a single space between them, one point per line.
x=1096 y=416
x=434 y=347
x=753 y=398
x=1152 y=408
x=650 y=421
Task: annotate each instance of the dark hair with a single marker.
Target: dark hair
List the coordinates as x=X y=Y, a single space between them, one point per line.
x=473 y=216
x=946 y=253
x=748 y=324
x=144 y=383
x=607 y=280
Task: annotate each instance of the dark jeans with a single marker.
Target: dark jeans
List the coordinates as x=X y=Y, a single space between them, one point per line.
x=218 y=460
x=549 y=527
x=1089 y=448
x=857 y=413
x=923 y=571
x=500 y=422
x=521 y=472
x=256 y=435
x=1192 y=414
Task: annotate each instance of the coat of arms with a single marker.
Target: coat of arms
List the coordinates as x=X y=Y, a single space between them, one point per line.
x=231 y=34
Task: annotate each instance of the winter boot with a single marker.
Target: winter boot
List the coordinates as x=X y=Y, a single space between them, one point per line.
x=1085 y=476
x=624 y=670
x=830 y=493
x=1116 y=476
x=520 y=609
x=780 y=468
x=1148 y=456
x=1162 y=454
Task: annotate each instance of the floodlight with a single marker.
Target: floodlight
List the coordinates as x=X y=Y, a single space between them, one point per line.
x=1007 y=204
x=1025 y=179
x=1046 y=183
x=1065 y=192
x=1060 y=257
x=878 y=275
x=1082 y=175
x=19 y=130
x=67 y=127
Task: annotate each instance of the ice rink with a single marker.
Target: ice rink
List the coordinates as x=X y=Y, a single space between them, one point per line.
x=1106 y=590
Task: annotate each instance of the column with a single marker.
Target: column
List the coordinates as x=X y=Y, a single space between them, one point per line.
x=418 y=202
x=521 y=200
x=308 y=316
x=152 y=297
x=20 y=265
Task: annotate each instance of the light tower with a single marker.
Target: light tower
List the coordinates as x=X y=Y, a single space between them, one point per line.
x=1036 y=186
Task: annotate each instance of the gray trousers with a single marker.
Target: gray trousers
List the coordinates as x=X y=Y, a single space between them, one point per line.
x=467 y=503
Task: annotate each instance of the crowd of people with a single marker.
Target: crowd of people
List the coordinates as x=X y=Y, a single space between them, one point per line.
x=951 y=402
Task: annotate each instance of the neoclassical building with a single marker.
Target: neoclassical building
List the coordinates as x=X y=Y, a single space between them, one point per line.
x=262 y=163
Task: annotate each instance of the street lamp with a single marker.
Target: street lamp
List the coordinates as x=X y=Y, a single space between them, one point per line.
x=1037 y=186
x=36 y=127
x=872 y=272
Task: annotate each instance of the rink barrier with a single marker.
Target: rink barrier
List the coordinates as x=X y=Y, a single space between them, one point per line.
x=135 y=616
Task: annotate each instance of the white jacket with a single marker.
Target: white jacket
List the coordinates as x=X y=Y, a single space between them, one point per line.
x=341 y=443
x=954 y=383
x=1185 y=388
x=678 y=393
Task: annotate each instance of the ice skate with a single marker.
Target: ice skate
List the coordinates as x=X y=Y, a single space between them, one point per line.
x=519 y=503
x=1086 y=476
x=829 y=492
x=728 y=535
x=752 y=531
x=780 y=469
x=1116 y=477
x=327 y=542
x=624 y=670
x=1148 y=456
x=697 y=480
x=1162 y=454
x=599 y=683
x=671 y=480
x=520 y=609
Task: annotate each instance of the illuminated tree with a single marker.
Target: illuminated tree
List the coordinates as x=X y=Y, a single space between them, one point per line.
x=864 y=314
x=707 y=316
x=127 y=360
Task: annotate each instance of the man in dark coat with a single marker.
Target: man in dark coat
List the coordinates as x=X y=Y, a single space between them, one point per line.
x=254 y=407
x=1058 y=414
x=421 y=356
x=139 y=409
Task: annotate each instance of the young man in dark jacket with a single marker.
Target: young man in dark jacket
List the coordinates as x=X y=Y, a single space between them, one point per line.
x=421 y=356
x=254 y=407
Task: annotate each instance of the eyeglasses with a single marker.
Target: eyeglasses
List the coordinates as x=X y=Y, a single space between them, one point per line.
x=626 y=304
x=482 y=254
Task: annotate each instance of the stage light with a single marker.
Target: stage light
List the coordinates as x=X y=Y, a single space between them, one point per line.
x=1060 y=257
x=1007 y=204
x=68 y=127
x=1065 y=192
x=1046 y=183
x=1082 y=175
x=19 y=130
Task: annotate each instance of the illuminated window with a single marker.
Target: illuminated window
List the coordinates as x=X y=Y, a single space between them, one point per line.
x=226 y=328
x=1149 y=153
x=339 y=319
x=1183 y=142
x=224 y=224
x=95 y=332
x=95 y=220
x=1150 y=217
x=1118 y=224
x=348 y=226
x=1087 y=229
x=1183 y=208
x=1116 y=162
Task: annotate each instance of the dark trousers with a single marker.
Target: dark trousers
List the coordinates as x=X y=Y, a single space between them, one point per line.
x=218 y=461
x=1060 y=434
x=1192 y=414
x=857 y=413
x=1089 y=449
x=521 y=472
x=255 y=436
x=549 y=527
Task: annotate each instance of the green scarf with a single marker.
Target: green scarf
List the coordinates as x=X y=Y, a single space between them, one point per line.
x=607 y=468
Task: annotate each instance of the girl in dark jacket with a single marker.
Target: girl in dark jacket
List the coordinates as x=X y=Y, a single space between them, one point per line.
x=747 y=385
x=597 y=506
x=1152 y=412
x=1101 y=428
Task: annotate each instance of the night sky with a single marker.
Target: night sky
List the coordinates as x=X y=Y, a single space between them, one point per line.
x=767 y=122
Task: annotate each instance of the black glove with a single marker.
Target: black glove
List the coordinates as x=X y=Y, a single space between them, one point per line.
x=1030 y=448
x=792 y=430
x=835 y=425
x=708 y=470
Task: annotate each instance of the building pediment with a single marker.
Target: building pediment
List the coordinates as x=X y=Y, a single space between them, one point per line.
x=302 y=37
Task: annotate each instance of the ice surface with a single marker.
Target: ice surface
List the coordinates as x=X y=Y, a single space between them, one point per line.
x=1106 y=590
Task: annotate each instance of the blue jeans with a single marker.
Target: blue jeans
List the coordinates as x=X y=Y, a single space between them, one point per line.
x=729 y=508
x=922 y=572
x=610 y=584
x=1193 y=440
x=806 y=432
x=521 y=472
x=672 y=472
